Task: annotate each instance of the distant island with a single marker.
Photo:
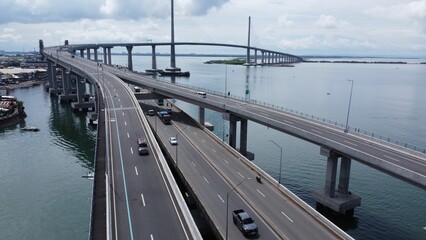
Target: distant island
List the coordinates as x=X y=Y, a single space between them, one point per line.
x=235 y=61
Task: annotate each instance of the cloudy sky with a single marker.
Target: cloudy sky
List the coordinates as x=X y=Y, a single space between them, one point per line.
x=318 y=27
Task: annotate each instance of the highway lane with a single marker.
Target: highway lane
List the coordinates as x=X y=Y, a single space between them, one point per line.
x=206 y=163
x=142 y=202
x=138 y=180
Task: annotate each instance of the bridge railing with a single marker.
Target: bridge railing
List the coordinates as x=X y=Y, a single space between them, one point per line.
x=335 y=124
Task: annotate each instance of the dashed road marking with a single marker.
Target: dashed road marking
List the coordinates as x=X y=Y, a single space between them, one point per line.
x=287 y=217
x=143 y=200
x=240 y=174
x=131 y=150
x=136 y=170
x=263 y=195
x=391 y=158
x=206 y=179
x=221 y=198
x=225 y=161
x=350 y=143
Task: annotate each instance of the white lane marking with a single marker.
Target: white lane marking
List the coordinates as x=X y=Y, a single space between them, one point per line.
x=122 y=113
x=128 y=135
x=288 y=122
x=350 y=143
x=384 y=155
x=206 y=179
x=193 y=164
x=213 y=150
x=152 y=237
x=136 y=170
x=221 y=198
x=287 y=217
x=121 y=106
x=195 y=133
x=131 y=150
x=120 y=101
x=225 y=161
x=240 y=174
x=143 y=200
x=260 y=193
x=125 y=123
x=316 y=131
x=203 y=141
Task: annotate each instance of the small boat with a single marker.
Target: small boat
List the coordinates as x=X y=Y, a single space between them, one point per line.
x=174 y=73
x=30 y=129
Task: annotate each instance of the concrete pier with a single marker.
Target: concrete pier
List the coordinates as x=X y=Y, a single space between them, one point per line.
x=129 y=57
x=341 y=201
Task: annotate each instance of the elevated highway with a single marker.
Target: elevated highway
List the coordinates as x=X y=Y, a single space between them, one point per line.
x=142 y=196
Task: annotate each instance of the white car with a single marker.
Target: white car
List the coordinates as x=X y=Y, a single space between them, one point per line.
x=173 y=140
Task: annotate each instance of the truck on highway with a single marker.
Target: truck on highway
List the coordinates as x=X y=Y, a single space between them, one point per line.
x=165 y=117
x=244 y=222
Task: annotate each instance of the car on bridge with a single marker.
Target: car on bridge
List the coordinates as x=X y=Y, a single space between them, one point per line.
x=244 y=222
x=173 y=140
x=142 y=146
x=203 y=94
x=151 y=112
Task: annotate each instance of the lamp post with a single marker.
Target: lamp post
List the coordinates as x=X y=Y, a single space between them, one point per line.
x=349 y=107
x=177 y=163
x=226 y=80
x=227 y=204
x=281 y=159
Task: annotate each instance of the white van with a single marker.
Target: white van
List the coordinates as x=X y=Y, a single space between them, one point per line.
x=202 y=94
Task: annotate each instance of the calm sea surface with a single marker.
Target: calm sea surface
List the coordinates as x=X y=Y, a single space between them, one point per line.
x=43 y=195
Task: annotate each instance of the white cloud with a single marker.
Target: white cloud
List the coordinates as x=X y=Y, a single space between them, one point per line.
x=307 y=25
x=411 y=10
x=328 y=21
x=108 y=8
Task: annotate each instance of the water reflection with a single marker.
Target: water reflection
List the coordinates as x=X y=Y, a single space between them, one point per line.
x=70 y=131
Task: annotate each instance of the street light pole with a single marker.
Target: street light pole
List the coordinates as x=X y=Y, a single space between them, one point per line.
x=281 y=159
x=227 y=204
x=177 y=163
x=349 y=107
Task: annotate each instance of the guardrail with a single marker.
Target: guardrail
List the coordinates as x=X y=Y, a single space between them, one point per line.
x=394 y=142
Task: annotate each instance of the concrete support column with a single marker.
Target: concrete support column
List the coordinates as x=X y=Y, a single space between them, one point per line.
x=54 y=80
x=345 y=172
x=232 y=130
x=153 y=58
x=109 y=56
x=263 y=57
x=95 y=53
x=88 y=54
x=82 y=53
x=105 y=55
x=255 y=57
x=64 y=81
x=50 y=73
x=243 y=137
x=67 y=83
x=330 y=176
x=202 y=115
x=269 y=57
x=129 y=57
x=81 y=83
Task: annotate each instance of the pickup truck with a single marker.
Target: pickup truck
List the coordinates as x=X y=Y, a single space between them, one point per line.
x=244 y=222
